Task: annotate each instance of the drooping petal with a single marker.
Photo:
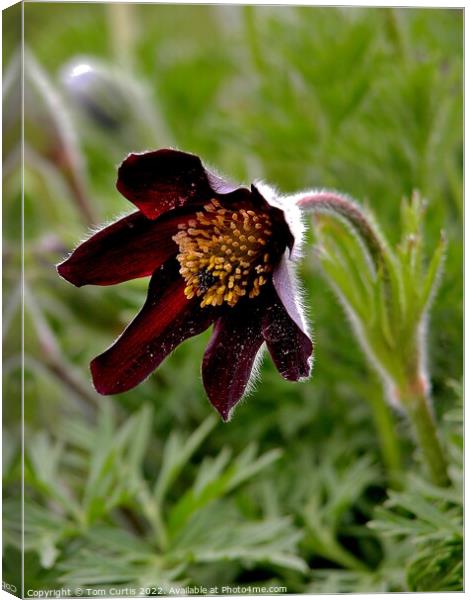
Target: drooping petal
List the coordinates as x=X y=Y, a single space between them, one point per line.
x=166 y=319
x=229 y=357
x=290 y=347
x=285 y=284
x=159 y=181
x=284 y=326
x=129 y=248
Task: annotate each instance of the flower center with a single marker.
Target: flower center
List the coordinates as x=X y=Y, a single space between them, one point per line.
x=223 y=254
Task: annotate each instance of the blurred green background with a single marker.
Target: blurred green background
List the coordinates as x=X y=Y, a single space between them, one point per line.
x=148 y=488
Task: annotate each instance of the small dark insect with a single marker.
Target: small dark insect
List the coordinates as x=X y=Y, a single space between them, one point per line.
x=218 y=255
x=206 y=280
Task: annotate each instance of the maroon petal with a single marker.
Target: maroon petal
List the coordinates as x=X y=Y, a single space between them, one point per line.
x=166 y=319
x=159 y=181
x=129 y=248
x=289 y=346
x=285 y=284
x=229 y=357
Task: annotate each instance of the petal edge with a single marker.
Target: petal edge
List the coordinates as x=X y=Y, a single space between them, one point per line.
x=129 y=248
x=162 y=180
x=166 y=319
x=229 y=358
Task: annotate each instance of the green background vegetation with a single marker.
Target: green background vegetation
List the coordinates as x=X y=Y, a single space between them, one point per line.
x=149 y=487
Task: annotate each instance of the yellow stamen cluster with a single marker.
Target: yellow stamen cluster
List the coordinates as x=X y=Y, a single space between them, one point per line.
x=223 y=254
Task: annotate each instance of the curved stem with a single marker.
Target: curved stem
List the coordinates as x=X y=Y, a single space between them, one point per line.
x=331 y=202
x=344 y=207
x=411 y=389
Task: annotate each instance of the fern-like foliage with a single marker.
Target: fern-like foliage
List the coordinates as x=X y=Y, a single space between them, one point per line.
x=427 y=520
x=95 y=517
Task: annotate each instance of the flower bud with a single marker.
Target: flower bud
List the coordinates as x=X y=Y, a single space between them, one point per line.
x=110 y=102
x=95 y=91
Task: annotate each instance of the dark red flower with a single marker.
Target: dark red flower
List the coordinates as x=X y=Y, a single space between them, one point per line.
x=217 y=254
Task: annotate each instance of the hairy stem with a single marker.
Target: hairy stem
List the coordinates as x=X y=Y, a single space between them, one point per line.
x=418 y=406
x=410 y=385
x=338 y=204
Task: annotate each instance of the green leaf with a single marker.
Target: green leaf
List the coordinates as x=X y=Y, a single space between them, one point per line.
x=219 y=477
x=177 y=453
